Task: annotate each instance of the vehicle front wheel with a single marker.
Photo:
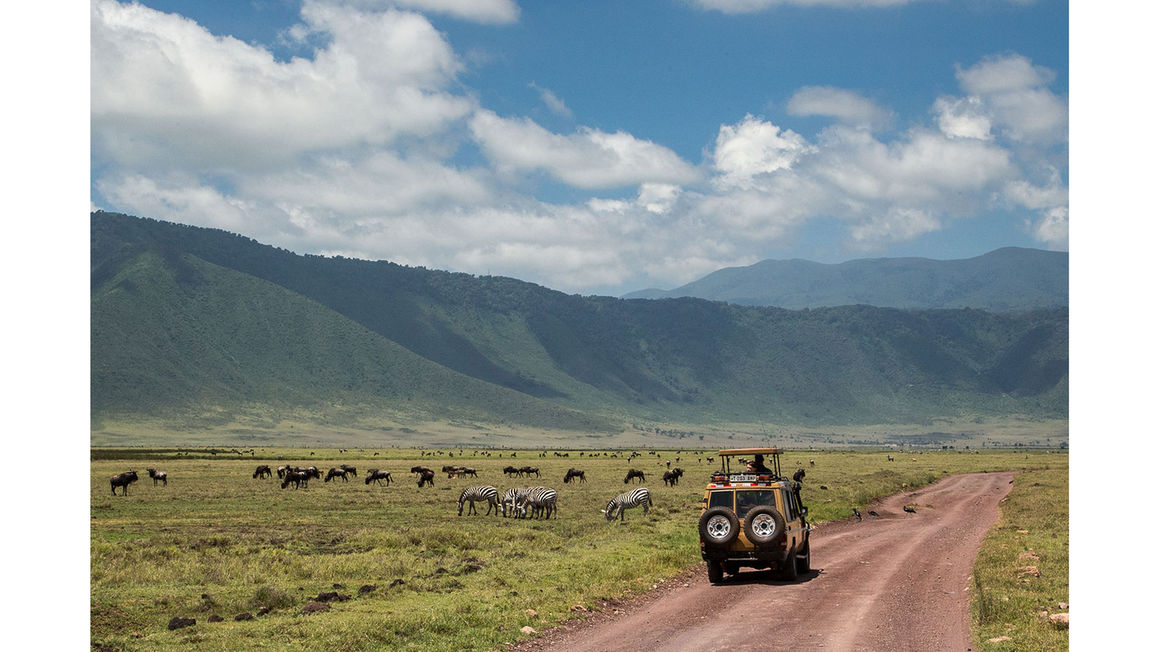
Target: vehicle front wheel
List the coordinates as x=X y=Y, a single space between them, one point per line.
x=716 y=574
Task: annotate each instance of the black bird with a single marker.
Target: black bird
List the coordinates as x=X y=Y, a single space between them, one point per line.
x=908 y=508
x=873 y=513
x=857 y=513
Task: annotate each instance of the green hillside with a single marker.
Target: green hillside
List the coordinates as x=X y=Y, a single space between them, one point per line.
x=193 y=326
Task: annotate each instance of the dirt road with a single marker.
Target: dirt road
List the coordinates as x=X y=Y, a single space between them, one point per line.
x=896 y=582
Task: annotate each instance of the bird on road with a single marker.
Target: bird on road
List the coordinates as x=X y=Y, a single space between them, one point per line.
x=873 y=513
x=857 y=513
x=908 y=508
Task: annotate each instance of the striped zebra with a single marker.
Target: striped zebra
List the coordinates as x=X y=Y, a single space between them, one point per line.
x=542 y=501
x=473 y=494
x=513 y=497
x=627 y=500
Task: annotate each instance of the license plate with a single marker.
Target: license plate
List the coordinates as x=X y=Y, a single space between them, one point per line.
x=743 y=477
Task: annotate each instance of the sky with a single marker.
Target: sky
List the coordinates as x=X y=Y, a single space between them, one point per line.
x=591 y=147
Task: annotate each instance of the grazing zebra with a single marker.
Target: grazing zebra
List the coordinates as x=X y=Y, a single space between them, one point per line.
x=627 y=500
x=634 y=473
x=472 y=494
x=514 y=497
x=574 y=473
x=123 y=480
x=335 y=473
x=158 y=475
x=542 y=500
x=427 y=478
x=262 y=471
x=376 y=476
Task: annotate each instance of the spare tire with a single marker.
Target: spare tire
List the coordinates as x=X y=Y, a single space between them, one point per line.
x=764 y=525
x=718 y=527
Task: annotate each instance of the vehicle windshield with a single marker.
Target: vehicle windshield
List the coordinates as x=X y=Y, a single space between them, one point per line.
x=747 y=500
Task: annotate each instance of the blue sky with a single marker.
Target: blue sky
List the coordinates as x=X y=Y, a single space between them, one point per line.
x=592 y=147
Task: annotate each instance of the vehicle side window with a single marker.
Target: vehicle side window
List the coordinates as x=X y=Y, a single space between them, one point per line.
x=721 y=499
x=791 y=506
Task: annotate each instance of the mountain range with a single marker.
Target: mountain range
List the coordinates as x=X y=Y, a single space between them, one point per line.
x=1007 y=279
x=195 y=329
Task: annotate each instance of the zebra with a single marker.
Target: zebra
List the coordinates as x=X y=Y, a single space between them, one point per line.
x=542 y=501
x=472 y=494
x=627 y=500
x=513 y=497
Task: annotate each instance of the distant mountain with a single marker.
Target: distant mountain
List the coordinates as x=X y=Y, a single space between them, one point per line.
x=1003 y=280
x=198 y=327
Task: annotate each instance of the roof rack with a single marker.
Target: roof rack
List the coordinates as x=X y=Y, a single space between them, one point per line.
x=775 y=455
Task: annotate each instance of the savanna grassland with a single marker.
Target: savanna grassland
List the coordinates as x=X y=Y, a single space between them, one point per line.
x=217 y=542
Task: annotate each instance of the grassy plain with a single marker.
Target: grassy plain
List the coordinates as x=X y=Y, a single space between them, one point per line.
x=1021 y=574
x=215 y=541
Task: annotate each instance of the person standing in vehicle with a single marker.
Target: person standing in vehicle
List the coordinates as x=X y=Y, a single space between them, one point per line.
x=758 y=465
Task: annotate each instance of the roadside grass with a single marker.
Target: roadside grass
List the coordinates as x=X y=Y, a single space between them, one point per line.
x=1021 y=574
x=218 y=542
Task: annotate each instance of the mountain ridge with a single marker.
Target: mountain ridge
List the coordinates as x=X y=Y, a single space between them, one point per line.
x=1005 y=279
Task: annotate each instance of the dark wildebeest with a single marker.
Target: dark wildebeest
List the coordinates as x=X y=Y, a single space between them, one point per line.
x=574 y=473
x=427 y=478
x=158 y=475
x=263 y=471
x=420 y=470
x=301 y=479
x=349 y=469
x=376 y=476
x=511 y=471
x=123 y=480
x=335 y=473
x=669 y=479
x=530 y=470
x=634 y=473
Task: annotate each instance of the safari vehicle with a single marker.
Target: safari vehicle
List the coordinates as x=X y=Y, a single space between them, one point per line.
x=753 y=519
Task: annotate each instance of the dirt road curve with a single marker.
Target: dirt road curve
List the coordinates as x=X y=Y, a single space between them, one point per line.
x=897 y=582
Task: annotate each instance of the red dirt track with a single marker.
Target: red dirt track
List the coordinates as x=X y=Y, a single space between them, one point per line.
x=897 y=582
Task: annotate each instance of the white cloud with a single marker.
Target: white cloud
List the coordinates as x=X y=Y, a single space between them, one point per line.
x=846 y=106
x=1015 y=94
x=589 y=158
x=554 y=103
x=753 y=147
x=1052 y=228
x=962 y=117
x=167 y=93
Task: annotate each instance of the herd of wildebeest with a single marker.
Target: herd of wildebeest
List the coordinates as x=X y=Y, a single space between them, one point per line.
x=524 y=502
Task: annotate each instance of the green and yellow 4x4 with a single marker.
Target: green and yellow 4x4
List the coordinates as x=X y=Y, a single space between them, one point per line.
x=753 y=518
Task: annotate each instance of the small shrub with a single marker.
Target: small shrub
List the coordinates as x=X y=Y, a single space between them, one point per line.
x=272 y=597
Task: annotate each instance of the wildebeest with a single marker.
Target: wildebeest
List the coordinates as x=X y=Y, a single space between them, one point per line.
x=349 y=469
x=263 y=471
x=530 y=470
x=511 y=471
x=301 y=479
x=376 y=476
x=158 y=475
x=634 y=473
x=427 y=478
x=671 y=478
x=420 y=470
x=335 y=473
x=574 y=473
x=123 y=480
